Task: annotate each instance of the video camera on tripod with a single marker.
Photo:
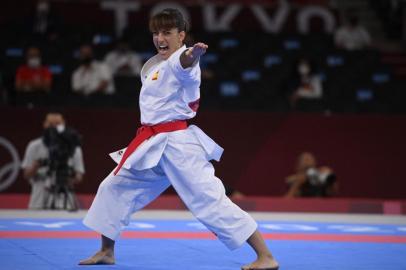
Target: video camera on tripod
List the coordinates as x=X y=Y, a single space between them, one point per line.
x=61 y=145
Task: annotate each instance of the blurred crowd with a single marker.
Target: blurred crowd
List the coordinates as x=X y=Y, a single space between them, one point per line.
x=339 y=72
x=45 y=65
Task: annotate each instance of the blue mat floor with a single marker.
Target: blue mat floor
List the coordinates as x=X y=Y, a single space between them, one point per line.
x=157 y=254
x=154 y=254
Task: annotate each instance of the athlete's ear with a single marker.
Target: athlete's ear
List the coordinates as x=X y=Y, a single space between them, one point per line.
x=182 y=35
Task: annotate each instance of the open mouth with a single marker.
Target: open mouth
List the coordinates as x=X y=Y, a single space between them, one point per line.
x=163 y=48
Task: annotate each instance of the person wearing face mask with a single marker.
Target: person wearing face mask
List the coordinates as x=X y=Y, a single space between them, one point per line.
x=306 y=84
x=91 y=76
x=36 y=164
x=33 y=76
x=122 y=61
x=167 y=151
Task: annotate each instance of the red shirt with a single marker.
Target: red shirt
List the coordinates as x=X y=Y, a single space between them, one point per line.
x=33 y=76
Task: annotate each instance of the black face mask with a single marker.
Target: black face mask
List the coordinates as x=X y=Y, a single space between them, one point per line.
x=87 y=60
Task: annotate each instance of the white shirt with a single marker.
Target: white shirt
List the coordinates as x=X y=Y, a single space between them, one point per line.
x=116 y=60
x=352 y=38
x=314 y=91
x=87 y=80
x=169 y=92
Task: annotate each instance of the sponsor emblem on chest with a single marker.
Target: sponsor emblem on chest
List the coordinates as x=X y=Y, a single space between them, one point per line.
x=155 y=76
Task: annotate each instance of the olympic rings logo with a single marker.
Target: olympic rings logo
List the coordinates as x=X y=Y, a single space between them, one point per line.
x=9 y=171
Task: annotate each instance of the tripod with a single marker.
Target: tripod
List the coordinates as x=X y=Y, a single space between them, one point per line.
x=61 y=196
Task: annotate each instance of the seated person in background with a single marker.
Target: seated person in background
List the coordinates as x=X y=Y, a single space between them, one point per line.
x=91 y=76
x=33 y=76
x=352 y=36
x=122 y=61
x=310 y=180
x=306 y=83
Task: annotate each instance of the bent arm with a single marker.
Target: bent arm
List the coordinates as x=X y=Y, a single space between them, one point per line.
x=32 y=170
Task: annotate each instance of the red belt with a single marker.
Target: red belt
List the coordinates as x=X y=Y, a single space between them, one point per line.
x=146 y=132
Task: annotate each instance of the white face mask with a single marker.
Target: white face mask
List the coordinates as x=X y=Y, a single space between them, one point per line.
x=304 y=69
x=60 y=128
x=34 y=62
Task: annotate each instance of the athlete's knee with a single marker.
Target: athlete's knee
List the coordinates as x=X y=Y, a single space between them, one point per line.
x=211 y=194
x=207 y=205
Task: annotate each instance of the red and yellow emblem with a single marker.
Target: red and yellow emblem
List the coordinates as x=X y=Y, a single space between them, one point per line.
x=155 y=76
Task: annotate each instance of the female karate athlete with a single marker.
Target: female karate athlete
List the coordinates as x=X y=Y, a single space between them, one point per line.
x=166 y=151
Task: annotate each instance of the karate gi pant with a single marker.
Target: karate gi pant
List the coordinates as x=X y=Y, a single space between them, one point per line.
x=183 y=165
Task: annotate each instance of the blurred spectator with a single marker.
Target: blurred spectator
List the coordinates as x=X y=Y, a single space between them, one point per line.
x=352 y=36
x=122 y=61
x=43 y=22
x=310 y=180
x=305 y=84
x=91 y=76
x=391 y=14
x=33 y=76
x=53 y=164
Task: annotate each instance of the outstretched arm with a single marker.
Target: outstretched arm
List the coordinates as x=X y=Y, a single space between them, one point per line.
x=189 y=56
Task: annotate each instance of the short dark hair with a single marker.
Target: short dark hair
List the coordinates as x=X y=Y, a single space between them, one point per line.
x=167 y=19
x=54 y=111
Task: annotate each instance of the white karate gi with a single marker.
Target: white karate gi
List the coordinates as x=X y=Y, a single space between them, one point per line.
x=179 y=158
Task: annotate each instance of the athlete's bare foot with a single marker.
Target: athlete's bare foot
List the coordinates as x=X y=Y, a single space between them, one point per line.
x=101 y=257
x=264 y=262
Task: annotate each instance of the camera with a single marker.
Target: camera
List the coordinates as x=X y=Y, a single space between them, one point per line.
x=61 y=145
x=319 y=183
x=320 y=178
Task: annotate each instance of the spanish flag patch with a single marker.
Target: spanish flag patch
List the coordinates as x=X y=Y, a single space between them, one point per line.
x=155 y=76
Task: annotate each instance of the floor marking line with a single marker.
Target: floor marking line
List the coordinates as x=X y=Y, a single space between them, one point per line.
x=207 y=235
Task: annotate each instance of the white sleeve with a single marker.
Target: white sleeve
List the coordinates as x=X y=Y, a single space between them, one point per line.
x=76 y=82
x=29 y=156
x=77 y=159
x=316 y=89
x=105 y=73
x=190 y=74
x=109 y=61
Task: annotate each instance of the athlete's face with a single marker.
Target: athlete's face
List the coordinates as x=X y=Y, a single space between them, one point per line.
x=168 y=41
